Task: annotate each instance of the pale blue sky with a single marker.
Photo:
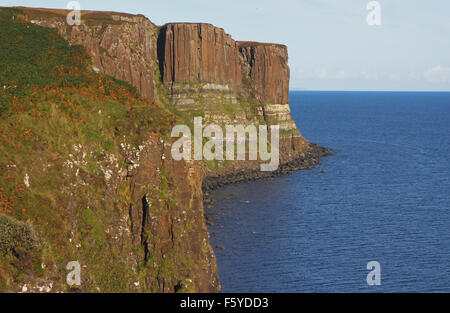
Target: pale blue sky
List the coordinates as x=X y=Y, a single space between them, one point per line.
x=331 y=47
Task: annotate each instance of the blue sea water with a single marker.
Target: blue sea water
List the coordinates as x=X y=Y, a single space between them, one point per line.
x=385 y=197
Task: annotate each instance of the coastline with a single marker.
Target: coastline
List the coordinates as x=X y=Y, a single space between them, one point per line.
x=310 y=158
x=214 y=180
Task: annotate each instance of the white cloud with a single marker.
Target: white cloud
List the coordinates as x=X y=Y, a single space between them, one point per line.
x=395 y=76
x=415 y=76
x=438 y=74
x=342 y=75
x=321 y=73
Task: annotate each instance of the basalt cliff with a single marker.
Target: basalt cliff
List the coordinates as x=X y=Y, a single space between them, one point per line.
x=101 y=188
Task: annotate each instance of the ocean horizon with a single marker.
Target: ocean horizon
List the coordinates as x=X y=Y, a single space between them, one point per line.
x=383 y=196
x=367 y=91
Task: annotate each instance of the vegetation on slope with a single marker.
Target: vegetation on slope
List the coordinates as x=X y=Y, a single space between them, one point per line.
x=61 y=127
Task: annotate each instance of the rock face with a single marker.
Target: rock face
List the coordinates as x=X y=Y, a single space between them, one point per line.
x=121 y=45
x=230 y=82
x=198 y=53
x=204 y=53
x=171 y=227
x=133 y=49
x=200 y=69
x=266 y=65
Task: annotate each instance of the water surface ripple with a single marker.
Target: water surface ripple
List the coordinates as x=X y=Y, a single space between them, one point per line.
x=385 y=197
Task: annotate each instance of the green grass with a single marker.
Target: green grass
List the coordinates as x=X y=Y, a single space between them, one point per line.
x=36 y=56
x=59 y=123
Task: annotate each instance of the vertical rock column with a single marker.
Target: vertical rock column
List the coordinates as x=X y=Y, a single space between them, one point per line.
x=266 y=66
x=266 y=74
x=198 y=53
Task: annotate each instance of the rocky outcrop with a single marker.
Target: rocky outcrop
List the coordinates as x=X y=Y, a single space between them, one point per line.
x=121 y=45
x=293 y=160
x=266 y=67
x=191 y=52
x=170 y=224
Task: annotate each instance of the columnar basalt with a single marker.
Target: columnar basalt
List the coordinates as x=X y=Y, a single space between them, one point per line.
x=266 y=68
x=201 y=66
x=198 y=53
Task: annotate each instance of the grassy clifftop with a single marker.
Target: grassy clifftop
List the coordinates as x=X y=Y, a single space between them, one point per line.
x=62 y=127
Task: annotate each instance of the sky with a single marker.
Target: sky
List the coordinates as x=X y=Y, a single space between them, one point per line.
x=331 y=45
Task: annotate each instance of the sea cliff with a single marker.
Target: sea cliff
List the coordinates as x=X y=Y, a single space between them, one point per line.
x=137 y=223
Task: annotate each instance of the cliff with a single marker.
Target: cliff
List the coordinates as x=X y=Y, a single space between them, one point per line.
x=115 y=199
x=198 y=53
x=86 y=173
x=121 y=45
x=205 y=72
x=266 y=65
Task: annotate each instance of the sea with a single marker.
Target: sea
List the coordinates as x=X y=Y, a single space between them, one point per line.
x=373 y=217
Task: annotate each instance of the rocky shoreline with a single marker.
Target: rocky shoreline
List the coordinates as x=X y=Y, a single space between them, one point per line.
x=309 y=159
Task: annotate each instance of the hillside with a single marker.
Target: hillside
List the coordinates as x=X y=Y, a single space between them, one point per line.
x=67 y=189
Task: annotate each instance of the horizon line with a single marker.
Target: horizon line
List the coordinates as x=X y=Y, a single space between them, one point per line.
x=398 y=91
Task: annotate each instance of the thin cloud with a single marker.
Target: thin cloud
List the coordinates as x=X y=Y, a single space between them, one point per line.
x=437 y=74
x=371 y=75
